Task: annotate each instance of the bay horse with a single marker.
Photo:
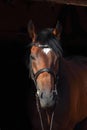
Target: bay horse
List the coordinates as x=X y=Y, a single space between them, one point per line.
x=61 y=83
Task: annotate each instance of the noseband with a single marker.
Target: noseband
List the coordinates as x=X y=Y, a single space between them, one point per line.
x=48 y=70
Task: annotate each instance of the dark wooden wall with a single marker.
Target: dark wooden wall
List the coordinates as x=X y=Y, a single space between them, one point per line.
x=14 y=17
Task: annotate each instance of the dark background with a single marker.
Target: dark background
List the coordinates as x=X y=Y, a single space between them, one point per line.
x=15 y=86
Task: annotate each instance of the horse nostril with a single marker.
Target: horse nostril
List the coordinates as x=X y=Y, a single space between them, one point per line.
x=41 y=95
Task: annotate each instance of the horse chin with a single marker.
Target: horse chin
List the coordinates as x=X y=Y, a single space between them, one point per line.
x=47 y=103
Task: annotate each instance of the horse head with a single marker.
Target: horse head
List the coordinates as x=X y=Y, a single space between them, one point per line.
x=45 y=57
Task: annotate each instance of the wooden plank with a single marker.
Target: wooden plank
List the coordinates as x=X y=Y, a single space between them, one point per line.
x=68 y=2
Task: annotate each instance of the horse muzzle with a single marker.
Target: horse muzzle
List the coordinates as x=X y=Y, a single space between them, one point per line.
x=47 y=99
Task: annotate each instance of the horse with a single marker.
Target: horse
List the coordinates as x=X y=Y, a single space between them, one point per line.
x=60 y=83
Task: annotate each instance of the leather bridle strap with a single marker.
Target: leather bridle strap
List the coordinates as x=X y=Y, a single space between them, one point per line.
x=44 y=70
x=41 y=121
x=48 y=70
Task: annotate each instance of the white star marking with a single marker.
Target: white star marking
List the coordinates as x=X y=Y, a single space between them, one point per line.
x=46 y=50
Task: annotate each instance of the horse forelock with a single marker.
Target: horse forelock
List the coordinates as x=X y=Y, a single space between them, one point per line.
x=46 y=37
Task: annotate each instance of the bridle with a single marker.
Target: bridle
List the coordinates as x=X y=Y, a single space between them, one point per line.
x=48 y=70
x=34 y=78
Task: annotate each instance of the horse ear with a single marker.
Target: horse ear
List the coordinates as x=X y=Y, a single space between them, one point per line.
x=57 y=30
x=31 y=30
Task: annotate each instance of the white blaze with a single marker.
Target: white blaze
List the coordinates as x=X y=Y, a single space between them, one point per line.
x=46 y=50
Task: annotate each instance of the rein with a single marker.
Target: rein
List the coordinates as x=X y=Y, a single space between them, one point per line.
x=40 y=116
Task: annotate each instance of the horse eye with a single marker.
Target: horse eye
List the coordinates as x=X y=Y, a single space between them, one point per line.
x=32 y=57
